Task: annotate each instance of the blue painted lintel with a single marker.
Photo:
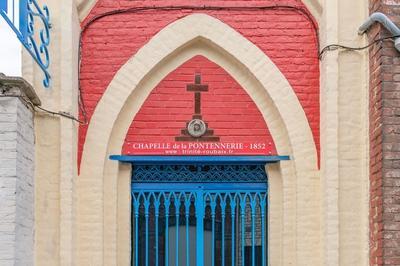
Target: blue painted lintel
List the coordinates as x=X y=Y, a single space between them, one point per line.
x=233 y=160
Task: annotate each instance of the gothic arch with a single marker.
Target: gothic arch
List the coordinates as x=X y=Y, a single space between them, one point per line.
x=254 y=71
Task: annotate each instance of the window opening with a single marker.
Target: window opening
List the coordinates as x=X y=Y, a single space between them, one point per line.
x=199 y=214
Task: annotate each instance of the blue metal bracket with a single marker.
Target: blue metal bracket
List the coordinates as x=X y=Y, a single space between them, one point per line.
x=3 y=5
x=37 y=46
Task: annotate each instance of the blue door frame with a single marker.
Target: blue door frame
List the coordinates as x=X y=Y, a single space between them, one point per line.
x=229 y=194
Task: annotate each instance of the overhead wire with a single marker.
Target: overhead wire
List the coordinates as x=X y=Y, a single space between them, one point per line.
x=34 y=108
x=97 y=17
x=133 y=10
x=333 y=47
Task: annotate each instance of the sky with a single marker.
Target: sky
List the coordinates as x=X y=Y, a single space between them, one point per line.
x=10 y=49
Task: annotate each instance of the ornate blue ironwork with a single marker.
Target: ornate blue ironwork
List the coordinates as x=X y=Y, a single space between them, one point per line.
x=37 y=46
x=199 y=173
x=227 y=223
x=199 y=213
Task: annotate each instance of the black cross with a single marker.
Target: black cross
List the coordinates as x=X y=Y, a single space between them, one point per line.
x=197 y=88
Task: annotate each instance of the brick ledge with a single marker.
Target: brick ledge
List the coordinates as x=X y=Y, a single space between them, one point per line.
x=12 y=84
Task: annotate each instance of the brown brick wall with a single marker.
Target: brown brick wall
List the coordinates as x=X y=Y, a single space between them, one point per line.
x=384 y=141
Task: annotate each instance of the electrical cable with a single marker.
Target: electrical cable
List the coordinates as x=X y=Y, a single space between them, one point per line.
x=333 y=47
x=34 y=107
x=200 y=8
x=300 y=10
x=62 y=114
x=81 y=103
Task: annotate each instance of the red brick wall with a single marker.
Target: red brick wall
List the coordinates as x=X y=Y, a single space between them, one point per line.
x=286 y=36
x=384 y=143
x=226 y=107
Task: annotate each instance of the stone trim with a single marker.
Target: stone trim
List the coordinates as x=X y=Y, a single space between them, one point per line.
x=16 y=86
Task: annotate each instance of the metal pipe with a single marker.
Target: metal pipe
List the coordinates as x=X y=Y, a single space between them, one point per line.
x=386 y=22
x=381 y=18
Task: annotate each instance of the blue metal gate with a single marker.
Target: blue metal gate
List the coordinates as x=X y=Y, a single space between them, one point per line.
x=199 y=214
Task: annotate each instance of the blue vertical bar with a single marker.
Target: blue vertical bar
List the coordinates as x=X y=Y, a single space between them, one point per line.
x=213 y=204
x=23 y=19
x=223 y=206
x=136 y=202
x=166 y=203
x=266 y=228
x=187 y=212
x=242 y=212
x=146 y=216
x=253 y=226
x=177 y=205
x=233 y=207
x=157 y=214
x=136 y=240
x=199 y=228
x=262 y=203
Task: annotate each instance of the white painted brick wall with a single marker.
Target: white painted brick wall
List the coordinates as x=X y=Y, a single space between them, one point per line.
x=16 y=183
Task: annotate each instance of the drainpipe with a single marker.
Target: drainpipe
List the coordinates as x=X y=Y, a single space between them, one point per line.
x=386 y=22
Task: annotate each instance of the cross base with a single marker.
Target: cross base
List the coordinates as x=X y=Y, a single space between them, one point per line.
x=208 y=135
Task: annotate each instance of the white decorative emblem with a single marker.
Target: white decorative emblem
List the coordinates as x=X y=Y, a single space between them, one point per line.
x=196 y=128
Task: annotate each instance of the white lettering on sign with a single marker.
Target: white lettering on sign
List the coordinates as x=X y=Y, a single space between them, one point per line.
x=200 y=148
x=151 y=146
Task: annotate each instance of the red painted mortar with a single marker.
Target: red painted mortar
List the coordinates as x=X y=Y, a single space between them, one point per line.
x=286 y=36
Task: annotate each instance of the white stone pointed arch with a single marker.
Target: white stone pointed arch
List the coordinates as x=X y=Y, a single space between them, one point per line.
x=258 y=75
